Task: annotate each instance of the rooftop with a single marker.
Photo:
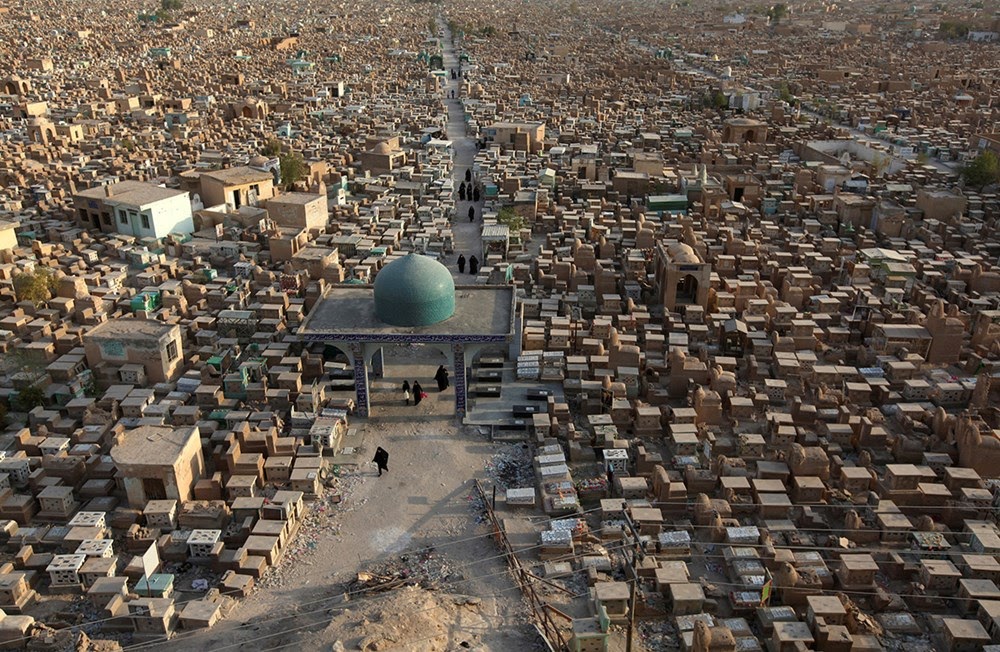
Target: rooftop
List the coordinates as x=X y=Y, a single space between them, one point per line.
x=134 y=193
x=152 y=445
x=238 y=176
x=299 y=198
x=131 y=327
x=348 y=312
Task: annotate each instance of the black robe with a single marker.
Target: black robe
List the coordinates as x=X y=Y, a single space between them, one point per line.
x=442 y=378
x=381 y=458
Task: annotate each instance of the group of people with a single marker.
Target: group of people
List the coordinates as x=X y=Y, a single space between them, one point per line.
x=470 y=192
x=414 y=390
x=417 y=393
x=473 y=264
x=381 y=459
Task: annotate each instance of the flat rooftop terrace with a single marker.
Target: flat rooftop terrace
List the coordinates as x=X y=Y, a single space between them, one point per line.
x=482 y=313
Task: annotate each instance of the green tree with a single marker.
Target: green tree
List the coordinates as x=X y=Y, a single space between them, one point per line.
x=785 y=93
x=272 y=148
x=30 y=377
x=982 y=171
x=719 y=100
x=507 y=217
x=293 y=168
x=951 y=30
x=30 y=397
x=777 y=12
x=165 y=13
x=89 y=383
x=37 y=287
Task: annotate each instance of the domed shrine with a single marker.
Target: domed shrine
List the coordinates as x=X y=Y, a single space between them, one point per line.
x=414 y=291
x=412 y=300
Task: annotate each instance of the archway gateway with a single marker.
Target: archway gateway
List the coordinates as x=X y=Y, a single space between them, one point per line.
x=484 y=317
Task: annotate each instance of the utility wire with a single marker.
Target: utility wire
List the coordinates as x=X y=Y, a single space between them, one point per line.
x=346 y=604
x=435 y=547
x=361 y=591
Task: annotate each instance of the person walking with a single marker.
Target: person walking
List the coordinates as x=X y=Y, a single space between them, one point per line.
x=442 y=378
x=473 y=265
x=472 y=213
x=475 y=194
x=418 y=393
x=381 y=459
x=406 y=391
x=461 y=191
x=461 y=264
x=468 y=174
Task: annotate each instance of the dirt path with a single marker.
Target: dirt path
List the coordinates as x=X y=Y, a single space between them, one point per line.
x=465 y=233
x=423 y=501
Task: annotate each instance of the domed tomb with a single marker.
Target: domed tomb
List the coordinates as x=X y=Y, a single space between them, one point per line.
x=414 y=291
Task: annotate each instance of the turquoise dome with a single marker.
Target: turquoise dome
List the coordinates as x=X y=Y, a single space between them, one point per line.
x=414 y=291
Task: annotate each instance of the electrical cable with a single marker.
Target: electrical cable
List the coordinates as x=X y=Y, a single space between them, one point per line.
x=412 y=551
x=821 y=549
x=699 y=556
x=467 y=565
x=435 y=547
x=339 y=598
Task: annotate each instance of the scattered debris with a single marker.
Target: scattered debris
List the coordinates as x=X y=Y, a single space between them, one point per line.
x=424 y=568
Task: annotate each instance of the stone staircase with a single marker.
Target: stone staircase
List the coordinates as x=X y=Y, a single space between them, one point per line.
x=496 y=412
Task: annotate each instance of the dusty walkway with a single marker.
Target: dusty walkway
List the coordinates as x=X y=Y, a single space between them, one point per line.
x=466 y=234
x=423 y=501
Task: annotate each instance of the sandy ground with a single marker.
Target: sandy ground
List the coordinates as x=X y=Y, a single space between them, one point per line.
x=424 y=501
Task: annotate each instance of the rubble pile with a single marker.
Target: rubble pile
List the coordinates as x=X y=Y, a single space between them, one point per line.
x=424 y=568
x=411 y=619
